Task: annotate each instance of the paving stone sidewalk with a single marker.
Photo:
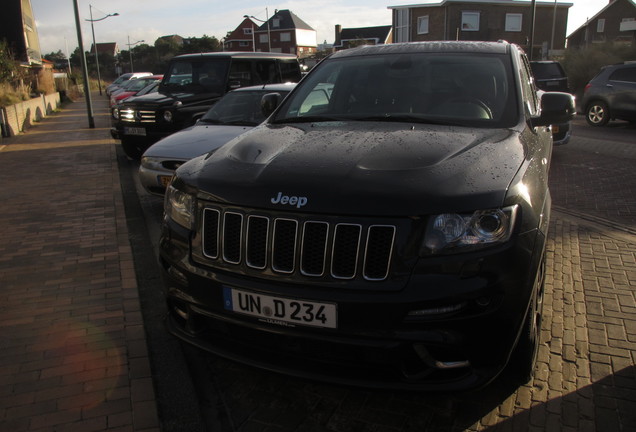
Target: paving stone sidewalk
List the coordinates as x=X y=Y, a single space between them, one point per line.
x=73 y=353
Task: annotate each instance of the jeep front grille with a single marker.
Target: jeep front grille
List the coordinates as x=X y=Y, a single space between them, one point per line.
x=296 y=245
x=132 y=115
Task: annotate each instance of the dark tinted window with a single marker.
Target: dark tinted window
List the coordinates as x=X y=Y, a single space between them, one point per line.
x=289 y=70
x=241 y=73
x=196 y=75
x=624 y=74
x=239 y=107
x=547 y=70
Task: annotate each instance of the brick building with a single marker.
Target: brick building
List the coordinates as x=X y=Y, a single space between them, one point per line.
x=484 y=20
x=242 y=38
x=616 y=23
x=289 y=34
x=17 y=27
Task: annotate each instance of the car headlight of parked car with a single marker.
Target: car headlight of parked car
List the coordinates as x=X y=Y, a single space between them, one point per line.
x=152 y=163
x=167 y=116
x=115 y=113
x=451 y=232
x=179 y=206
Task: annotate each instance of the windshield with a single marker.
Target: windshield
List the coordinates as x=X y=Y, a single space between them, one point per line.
x=445 y=88
x=239 y=108
x=139 y=84
x=187 y=75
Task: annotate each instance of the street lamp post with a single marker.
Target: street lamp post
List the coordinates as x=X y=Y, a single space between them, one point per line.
x=130 y=51
x=99 y=78
x=87 y=93
x=269 y=36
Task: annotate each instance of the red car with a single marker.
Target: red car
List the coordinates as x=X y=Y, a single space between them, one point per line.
x=132 y=88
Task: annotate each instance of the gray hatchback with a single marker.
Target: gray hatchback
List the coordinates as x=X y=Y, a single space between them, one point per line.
x=611 y=95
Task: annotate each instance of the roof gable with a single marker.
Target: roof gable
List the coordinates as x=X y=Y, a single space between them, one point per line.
x=286 y=20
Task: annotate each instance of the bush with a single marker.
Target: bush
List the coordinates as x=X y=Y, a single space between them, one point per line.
x=10 y=95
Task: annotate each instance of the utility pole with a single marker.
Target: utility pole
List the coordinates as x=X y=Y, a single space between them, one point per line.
x=87 y=92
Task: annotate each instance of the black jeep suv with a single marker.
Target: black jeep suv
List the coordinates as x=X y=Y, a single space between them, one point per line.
x=192 y=84
x=386 y=226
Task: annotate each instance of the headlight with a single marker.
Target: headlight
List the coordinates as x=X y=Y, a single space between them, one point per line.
x=115 y=113
x=450 y=232
x=152 y=163
x=179 y=206
x=167 y=116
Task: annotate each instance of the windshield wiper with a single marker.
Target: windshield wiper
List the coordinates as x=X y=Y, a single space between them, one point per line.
x=307 y=119
x=408 y=118
x=240 y=123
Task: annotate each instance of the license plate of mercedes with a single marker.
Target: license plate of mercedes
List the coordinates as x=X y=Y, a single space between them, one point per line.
x=135 y=131
x=280 y=310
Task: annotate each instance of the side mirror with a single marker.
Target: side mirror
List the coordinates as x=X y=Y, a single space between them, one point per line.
x=556 y=107
x=270 y=102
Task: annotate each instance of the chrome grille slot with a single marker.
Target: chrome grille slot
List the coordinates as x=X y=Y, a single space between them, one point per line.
x=211 y=219
x=257 y=233
x=284 y=245
x=296 y=245
x=378 y=252
x=232 y=237
x=346 y=243
x=314 y=253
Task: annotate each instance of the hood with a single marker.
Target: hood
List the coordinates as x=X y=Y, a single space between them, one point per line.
x=391 y=169
x=194 y=141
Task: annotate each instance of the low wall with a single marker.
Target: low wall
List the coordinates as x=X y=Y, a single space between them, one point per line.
x=19 y=117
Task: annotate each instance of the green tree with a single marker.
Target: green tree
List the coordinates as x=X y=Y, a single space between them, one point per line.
x=200 y=45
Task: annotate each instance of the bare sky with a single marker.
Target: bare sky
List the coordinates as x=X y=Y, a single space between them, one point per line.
x=149 y=19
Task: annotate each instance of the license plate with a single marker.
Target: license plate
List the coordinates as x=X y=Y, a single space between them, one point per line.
x=165 y=180
x=279 y=310
x=135 y=131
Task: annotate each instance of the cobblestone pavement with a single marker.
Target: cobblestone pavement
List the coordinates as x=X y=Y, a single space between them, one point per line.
x=586 y=379
x=73 y=351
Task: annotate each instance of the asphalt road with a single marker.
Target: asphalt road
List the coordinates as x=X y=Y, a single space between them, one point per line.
x=232 y=397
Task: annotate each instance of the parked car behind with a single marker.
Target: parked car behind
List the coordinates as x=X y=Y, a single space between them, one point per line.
x=611 y=95
x=133 y=88
x=235 y=113
x=386 y=226
x=190 y=86
x=550 y=76
x=123 y=78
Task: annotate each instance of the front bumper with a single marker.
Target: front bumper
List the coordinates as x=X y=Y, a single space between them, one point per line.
x=474 y=309
x=154 y=179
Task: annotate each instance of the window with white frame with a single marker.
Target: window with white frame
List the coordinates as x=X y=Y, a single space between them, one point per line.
x=247 y=31
x=470 y=21
x=285 y=37
x=402 y=27
x=422 y=25
x=600 y=25
x=276 y=22
x=262 y=38
x=244 y=43
x=513 y=22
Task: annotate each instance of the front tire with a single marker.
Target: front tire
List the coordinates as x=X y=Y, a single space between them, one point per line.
x=527 y=349
x=597 y=114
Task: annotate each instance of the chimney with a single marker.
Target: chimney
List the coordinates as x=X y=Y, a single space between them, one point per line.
x=338 y=31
